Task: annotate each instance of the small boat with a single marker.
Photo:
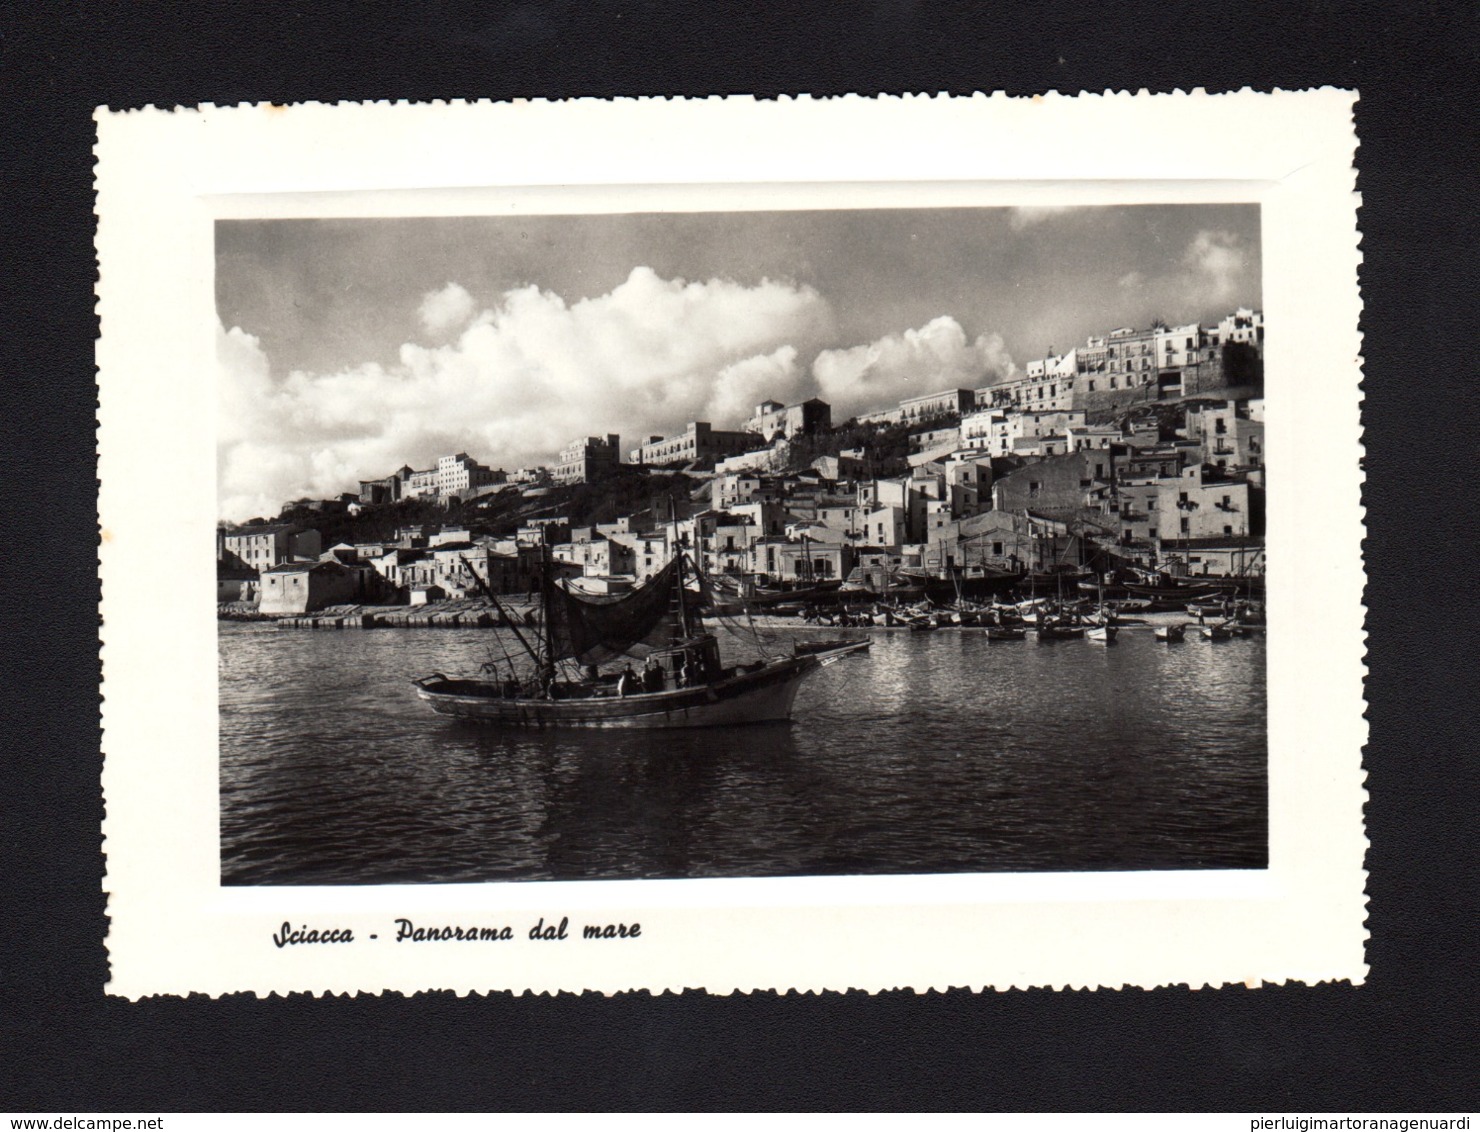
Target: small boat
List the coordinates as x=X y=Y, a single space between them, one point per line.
x=685 y=683
x=1169 y=633
x=814 y=648
x=1216 y=632
x=1060 y=633
x=1005 y=633
x=1103 y=634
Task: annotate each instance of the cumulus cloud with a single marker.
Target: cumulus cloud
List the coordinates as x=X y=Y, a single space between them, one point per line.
x=523 y=375
x=936 y=356
x=447 y=309
x=521 y=378
x=1217 y=260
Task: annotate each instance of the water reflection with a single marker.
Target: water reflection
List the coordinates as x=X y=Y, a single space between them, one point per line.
x=934 y=752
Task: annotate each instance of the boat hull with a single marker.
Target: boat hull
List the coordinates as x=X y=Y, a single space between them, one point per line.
x=764 y=696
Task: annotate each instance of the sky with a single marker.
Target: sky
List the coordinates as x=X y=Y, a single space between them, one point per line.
x=347 y=348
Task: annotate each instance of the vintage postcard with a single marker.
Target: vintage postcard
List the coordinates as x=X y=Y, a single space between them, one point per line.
x=732 y=545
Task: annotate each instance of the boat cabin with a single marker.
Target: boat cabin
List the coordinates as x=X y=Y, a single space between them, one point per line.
x=688 y=663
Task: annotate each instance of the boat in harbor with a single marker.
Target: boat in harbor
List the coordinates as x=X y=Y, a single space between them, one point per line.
x=1222 y=632
x=1101 y=634
x=1060 y=632
x=1005 y=633
x=839 y=648
x=683 y=683
x=1171 y=634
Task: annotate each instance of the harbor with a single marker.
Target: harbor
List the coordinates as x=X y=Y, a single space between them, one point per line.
x=726 y=598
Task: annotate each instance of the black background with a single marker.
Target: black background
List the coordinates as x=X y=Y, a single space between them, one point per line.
x=1407 y=1039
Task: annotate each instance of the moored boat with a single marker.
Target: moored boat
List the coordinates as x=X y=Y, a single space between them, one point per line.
x=1060 y=633
x=683 y=683
x=1169 y=633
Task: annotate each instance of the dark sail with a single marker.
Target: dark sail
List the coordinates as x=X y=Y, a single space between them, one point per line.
x=594 y=629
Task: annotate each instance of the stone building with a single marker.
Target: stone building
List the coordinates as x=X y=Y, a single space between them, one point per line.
x=262 y=547
x=302 y=587
x=772 y=419
x=699 y=443
x=589 y=459
x=933 y=406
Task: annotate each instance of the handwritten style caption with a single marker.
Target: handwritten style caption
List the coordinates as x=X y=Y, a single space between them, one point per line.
x=408 y=932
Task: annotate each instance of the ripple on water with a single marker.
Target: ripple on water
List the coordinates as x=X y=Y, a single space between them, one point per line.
x=937 y=752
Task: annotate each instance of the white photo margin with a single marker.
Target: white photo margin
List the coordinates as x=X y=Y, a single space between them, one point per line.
x=164 y=177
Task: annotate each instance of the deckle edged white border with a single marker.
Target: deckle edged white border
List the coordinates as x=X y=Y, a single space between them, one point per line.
x=164 y=176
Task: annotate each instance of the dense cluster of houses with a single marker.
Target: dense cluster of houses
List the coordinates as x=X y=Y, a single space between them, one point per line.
x=1010 y=477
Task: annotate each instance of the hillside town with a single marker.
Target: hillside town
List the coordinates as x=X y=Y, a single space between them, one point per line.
x=1140 y=451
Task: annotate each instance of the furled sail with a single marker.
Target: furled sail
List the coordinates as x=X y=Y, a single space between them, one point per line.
x=593 y=629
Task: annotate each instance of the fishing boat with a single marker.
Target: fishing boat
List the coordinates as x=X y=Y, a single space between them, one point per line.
x=1101 y=634
x=683 y=683
x=1060 y=633
x=1005 y=633
x=841 y=646
x=1169 y=633
x=1220 y=632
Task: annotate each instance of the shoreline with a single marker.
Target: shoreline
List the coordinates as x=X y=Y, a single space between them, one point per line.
x=480 y=615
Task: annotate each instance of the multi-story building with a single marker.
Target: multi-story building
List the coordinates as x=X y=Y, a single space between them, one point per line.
x=698 y=443
x=589 y=459
x=1073 y=485
x=1178 y=346
x=420 y=484
x=1130 y=358
x=933 y=406
x=1243 y=325
x=1228 y=437
x=598 y=557
x=1193 y=503
x=725 y=491
x=544 y=532
x=1082 y=436
x=885 y=526
x=386 y=490
x=767 y=516
x=773 y=419
x=1042 y=389
x=263 y=547
x=999 y=431
x=460 y=474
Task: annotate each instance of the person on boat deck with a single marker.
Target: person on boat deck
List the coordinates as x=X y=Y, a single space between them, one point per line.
x=652 y=675
x=627 y=681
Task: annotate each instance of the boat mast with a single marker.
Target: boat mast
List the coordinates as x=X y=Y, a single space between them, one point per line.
x=679 y=581
x=547 y=664
x=502 y=612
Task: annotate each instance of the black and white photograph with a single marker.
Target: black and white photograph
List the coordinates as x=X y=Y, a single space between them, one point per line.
x=726 y=544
